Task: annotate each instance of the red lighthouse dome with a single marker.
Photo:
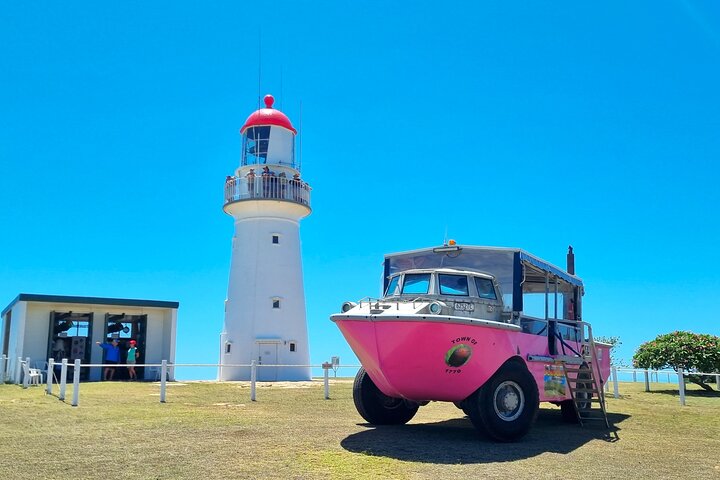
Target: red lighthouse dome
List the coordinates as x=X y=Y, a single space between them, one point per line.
x=268 y=116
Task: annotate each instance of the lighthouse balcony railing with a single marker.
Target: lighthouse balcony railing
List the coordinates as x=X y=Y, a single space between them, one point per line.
x=267 y=188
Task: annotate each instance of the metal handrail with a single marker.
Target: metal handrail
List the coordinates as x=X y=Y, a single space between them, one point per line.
x=266 y=188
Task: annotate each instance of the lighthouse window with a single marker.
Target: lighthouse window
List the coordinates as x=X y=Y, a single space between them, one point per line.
x=292 y=346
x=276 y=303
x=276 y=239
x=255 y=145
x=228 y=346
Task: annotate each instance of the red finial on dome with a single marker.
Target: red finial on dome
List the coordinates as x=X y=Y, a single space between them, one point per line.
x=269 y=100
x=268 y=116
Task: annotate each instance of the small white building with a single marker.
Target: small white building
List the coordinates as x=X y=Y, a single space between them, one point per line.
x=52 y=326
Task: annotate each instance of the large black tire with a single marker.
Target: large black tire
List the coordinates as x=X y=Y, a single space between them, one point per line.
x=505 y=407
x=376 y=407
x=567 y=407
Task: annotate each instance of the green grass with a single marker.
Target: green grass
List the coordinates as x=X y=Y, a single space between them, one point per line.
x=209 y=430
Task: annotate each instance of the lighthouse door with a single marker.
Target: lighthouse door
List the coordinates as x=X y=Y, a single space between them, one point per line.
x=267 y=354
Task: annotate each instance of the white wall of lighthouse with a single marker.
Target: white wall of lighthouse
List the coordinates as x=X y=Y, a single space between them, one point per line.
x=265 y=318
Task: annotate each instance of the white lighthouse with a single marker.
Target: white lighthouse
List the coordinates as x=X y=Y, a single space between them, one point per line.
x=265 y=307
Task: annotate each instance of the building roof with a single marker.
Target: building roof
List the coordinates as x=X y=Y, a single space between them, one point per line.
x=268 y=116
x=32 y=297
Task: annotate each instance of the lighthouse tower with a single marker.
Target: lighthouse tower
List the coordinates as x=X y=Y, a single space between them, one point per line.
x=265 y=306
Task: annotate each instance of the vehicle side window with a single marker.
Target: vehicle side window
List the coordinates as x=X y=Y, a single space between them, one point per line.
x=453 y=284
x=485 y=288
x=392 y=288
x=534 y=326
x=416 y=283
x=567 y=332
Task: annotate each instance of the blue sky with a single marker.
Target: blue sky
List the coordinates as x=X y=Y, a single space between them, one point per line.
x=534 y=125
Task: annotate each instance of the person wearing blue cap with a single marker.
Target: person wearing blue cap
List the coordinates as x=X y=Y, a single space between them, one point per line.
x=112 y=357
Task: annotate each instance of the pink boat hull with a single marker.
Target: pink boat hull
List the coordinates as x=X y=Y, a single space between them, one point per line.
x=414 y=359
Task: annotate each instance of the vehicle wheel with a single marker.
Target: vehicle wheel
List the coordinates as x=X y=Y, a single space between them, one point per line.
x=506 y=406
x=567 y=407
x=376 y=407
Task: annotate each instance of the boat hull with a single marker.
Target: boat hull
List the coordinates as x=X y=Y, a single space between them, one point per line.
x=421 y=358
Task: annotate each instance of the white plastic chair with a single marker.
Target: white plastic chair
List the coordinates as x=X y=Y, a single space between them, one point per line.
x=156 y=373
x=35 y=376
x=42 y=367
x=152 y=373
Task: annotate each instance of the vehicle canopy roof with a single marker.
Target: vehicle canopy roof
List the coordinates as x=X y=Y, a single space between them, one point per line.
x=458 y=271
x=516 y=270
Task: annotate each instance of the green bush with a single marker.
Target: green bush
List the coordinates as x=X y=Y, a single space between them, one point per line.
x=686 y=350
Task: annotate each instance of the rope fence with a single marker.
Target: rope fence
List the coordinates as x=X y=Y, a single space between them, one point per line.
x=648 y=375
x=22 y=370
x=51 y=380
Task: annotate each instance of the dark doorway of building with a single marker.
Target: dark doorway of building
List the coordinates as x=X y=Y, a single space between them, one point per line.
x=125 y=328
x=70 y=335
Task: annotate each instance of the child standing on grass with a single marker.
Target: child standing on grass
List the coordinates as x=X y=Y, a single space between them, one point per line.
x=132 y=355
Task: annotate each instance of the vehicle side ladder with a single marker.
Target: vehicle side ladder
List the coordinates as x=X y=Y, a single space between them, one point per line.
x=584 y=380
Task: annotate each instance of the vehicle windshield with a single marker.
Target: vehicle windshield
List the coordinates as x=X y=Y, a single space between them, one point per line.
x=453 y=284
x=485 y=288
x=392 y=288
x=416 y=283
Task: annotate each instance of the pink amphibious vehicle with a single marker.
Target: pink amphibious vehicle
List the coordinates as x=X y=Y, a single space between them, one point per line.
x=494 y=330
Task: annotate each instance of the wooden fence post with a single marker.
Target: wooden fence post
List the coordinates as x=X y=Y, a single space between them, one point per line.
x=681 y=385
x=50 y=375
x=326 y=378
x=18 y=371
x=26 y=373
x=63 y=379
x=253 y=379
x=76 y=383
x=616 y=392
x=163 y=381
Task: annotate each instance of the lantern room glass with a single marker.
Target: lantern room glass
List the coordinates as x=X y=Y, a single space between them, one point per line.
x=263 y=145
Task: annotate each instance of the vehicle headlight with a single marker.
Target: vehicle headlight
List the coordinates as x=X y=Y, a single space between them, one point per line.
x=435 y=308
x=347 y=306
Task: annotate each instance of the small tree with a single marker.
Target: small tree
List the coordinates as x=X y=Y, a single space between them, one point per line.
x=686 y=350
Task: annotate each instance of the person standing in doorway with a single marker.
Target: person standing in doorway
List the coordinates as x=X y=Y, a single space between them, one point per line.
x=112 y=357
x=132 y=355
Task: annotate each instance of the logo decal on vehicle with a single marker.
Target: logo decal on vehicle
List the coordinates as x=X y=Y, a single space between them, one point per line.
x=458 y=355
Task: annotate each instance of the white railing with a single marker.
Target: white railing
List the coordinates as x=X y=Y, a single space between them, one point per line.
x=266 y=187
x=11 y=369
x=165 y=369
x=647 y=375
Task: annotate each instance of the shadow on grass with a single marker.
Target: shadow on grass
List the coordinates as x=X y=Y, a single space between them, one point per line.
x=690 y=393
x=456 y=441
